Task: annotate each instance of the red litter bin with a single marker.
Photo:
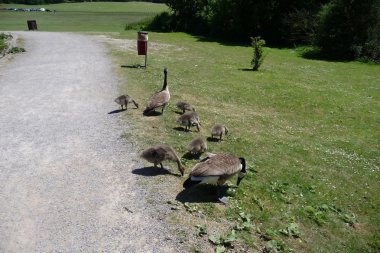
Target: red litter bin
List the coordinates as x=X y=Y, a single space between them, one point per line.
x=142 y=43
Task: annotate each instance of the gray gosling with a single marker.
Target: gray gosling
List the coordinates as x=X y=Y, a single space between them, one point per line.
x=216 y=169
x=197 y=146
x=159 y=99
x=161 y=152
x=189 y=119
x=184 y=106
x=219 y=130
x=124 y=100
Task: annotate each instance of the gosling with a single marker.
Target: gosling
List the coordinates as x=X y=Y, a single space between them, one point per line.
x=219 y=130
x=189 y=119
x=161 y=152
x=197 y=146
x=124 y=100
x=184 y=106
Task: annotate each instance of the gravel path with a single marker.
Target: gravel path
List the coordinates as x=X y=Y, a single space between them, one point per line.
x=65 y=174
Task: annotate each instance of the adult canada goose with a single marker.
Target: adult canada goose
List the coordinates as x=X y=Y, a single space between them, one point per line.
x=189 y=119
x=159 y=99
x=124 y=100
x=184 y=106
x=197 y=146
x=161 y=152
x=219 y=130
x=216 y=169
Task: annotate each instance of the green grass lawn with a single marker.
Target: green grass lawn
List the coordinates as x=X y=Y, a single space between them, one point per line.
x=309 y=130
x=80 y=17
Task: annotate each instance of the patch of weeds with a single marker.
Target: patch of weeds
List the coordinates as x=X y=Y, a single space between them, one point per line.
x=348 y=218
x=182 y=236
x=16 y=50
x=268 y=235
x=201 y=230
x=258 y=202
x=282 y=189
x=244 y=222
x=292 y=230
x=191 y=208
x=174 y=205
x=208 y=209
x=319 y=214
x=276 y=246
x=223 y=241
x=279 y=187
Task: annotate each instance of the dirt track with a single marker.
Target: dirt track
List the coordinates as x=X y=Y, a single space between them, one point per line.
x=65 y=174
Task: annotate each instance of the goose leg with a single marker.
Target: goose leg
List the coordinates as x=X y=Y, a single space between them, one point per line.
x=161 y=166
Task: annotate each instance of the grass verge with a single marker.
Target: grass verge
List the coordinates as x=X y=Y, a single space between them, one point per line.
x=309 y=130
x=80 y=17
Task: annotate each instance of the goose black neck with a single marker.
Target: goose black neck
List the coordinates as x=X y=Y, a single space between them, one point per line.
x=165 y=79
x=242 y=161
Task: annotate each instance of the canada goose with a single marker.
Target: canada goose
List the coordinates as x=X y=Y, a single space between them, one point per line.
x=159 y=99
x=189 y=119
x=184 y=106
x=124 y=100
x=197 y=146
x=161 y=152
x=216 y=169
x=219 y=130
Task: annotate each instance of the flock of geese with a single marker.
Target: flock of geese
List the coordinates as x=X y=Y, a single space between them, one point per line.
x=213 y=169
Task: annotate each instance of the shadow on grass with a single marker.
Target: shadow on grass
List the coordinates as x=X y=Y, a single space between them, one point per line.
x=213 y=139
x=201 y=194
x=311 y=53
x=136 y=66
x=117 y=111
x=182 y=129
x=246 y=69
x=152 y=114
x=153 y=171
x=190 y=156
x=178 y=112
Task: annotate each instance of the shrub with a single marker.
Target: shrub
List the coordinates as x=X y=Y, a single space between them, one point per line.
x=3 y=42
x=344 y=27
x=258 y=52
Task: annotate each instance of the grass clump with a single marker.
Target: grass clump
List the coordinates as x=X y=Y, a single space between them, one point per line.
x=3 y=42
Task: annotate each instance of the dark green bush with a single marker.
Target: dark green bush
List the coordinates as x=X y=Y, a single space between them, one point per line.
x=345 y=26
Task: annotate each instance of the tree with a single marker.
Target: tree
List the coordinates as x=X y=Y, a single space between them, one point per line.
x=258 y=52
x=345 y=26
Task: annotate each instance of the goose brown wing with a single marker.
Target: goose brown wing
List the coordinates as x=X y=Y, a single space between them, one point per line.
x=158 y=99
x=217 y=165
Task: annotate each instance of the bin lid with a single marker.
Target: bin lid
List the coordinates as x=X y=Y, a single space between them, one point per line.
x=142 y=32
